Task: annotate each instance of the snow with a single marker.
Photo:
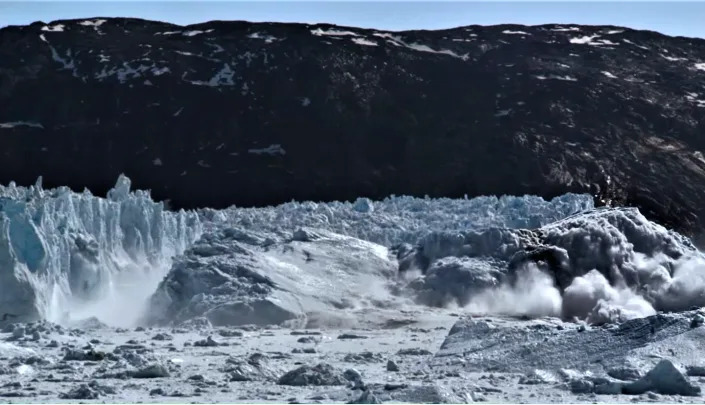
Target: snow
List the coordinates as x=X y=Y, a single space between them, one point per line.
x=66 y=62
x=217 y=47
x=672 y=58
x=583 y=40
x=591 y=40
x=268 y=39
x=53 y=28
x=92 y=23
x=637 y=45
x=397 y=41
x=9 y=125
x=159 y=71
x=305 y=102
x=608 y=74
x=503 y=113
x=508 y=32
x=191 y=33
x=363 y=41
x=556 y=77
x=332 y=32
x=700 y=66
x=126 y=72
x=426 y=48
x=568 y=29
x=157 y=162
x=270 y=150
x=66 y=254
x=224 y=77
x=693 y=97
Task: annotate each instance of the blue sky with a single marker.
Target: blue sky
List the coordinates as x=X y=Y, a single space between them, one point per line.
x=673 y=18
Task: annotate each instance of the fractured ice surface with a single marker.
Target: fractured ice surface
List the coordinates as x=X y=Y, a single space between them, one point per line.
x=402 y=219
x=66 y=254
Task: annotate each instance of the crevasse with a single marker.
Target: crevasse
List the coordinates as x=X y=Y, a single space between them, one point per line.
x=66 y=255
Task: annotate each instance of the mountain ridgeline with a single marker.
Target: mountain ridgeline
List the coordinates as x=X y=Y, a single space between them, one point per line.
x=226 y=113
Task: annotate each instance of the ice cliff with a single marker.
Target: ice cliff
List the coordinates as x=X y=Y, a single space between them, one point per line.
x=66 y=254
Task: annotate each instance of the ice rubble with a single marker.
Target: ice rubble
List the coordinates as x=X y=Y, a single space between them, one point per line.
x=73 y=254
x=603 y=265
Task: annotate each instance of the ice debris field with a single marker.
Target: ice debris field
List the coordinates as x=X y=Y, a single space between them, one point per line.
x=577 y=284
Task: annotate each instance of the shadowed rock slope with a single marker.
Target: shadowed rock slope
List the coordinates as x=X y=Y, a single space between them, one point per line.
x=227 y=113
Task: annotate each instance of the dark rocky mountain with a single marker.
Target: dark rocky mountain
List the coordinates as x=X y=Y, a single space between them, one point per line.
x=226 y=113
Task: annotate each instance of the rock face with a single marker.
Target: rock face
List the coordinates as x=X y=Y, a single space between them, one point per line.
x=264 y=113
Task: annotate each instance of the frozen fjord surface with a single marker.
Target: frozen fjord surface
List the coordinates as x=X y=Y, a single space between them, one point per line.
x=71 y=253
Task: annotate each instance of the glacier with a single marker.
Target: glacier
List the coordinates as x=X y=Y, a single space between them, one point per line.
x=67 y=255
x=126 y=260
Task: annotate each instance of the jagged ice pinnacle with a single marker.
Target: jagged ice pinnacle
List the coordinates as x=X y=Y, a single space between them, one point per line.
x=66 y=254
